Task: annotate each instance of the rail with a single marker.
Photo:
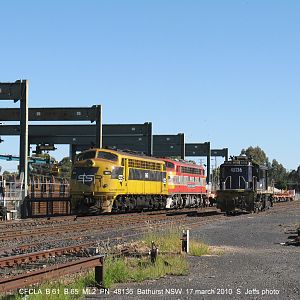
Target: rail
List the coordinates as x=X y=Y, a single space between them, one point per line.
x=53 y=272
x=34 y=256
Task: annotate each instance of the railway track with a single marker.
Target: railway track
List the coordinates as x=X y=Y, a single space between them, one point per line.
x=18 y=280
x=98 y=233
x=11 y=258
x=92 y=223
x=52 y=272
x=89 y=232
x=44 y=254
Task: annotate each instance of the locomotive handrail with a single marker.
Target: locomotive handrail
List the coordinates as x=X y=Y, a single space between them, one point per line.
x=254 y=179
x=246 y=182
x=229 y=182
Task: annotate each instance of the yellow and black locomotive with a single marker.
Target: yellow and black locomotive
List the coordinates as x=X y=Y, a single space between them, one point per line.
x=105 y=180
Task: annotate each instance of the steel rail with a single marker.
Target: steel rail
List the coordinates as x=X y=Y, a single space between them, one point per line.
x=34 y=256
x=35 y=222
x=19 y=281
x=187 y=224
x=98 y=224
x=57 y=220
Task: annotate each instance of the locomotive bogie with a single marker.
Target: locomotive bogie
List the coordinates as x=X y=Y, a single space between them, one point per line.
x=128 y=203
x=235 y=201
x=186 y=200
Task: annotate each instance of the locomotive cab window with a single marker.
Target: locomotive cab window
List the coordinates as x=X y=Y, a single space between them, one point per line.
x=107 y=155
x=86 y=155
x=169 y=165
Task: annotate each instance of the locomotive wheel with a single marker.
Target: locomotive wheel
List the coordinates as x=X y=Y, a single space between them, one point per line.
x=258 y=208
x=93 y=210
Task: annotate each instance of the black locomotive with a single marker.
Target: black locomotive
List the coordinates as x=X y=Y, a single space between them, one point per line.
x=243 y=186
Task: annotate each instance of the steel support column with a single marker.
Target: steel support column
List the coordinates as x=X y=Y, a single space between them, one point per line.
x=24 y=135
x=73 y=149
x=182 y=146
x=226 y=153
x=18 y=90
x=99 y=127
x=208 y=177
x=150 y=139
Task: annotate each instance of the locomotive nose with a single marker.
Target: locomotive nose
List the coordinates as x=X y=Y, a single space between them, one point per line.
x=90 y=163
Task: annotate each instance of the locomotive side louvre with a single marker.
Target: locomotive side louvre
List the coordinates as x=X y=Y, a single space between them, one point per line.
x=104 y=180
x=243 y=186
x=145 y=177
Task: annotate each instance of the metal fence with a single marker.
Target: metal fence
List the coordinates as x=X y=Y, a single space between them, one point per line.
x=48 y=188
x=47 y=196
x=11 y=197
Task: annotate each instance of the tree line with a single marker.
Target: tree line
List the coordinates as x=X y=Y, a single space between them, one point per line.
x=278 y=175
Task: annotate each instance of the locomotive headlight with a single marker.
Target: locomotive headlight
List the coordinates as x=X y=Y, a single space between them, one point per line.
x=90 y=163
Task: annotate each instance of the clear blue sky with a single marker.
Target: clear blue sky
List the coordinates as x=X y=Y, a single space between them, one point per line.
x=227 y=72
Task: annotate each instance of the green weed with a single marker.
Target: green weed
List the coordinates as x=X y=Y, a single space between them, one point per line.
x=199 y=248
x=127 y=269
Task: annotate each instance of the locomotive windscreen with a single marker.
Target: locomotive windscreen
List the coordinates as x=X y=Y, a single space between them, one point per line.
x=86 y=155
x=235 y=176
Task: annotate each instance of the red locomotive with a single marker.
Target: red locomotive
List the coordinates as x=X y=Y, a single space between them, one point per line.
x=186 y=184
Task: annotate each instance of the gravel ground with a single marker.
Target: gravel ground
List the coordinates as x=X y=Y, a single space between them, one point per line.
x=253 y=266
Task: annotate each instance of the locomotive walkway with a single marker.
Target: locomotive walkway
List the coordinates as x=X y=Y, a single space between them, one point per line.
x=254 y=264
